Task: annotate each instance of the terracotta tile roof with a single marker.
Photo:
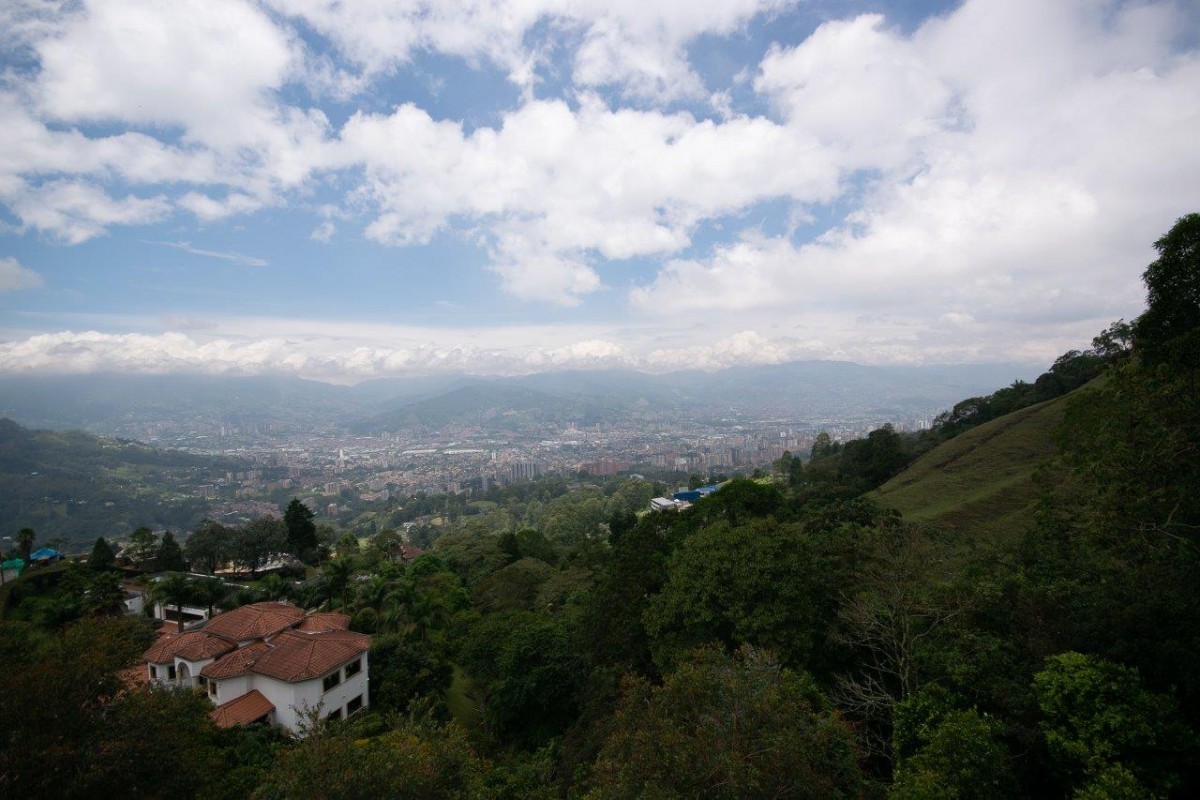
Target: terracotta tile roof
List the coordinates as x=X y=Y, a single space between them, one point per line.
x=296 y=656
x=242 y=710
x=255 y=621
x=192 y=646
x=235 y=663
x=324 y=621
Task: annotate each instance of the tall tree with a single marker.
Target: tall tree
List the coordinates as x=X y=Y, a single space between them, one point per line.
x=210 y=546
x=170 y=555
x=173 y=589
x=209 y=591
x=337 y=578
x=25 y=539
x=301 y=530
x=102 y=556
x=1172 y=297
x=105 y=597
x=142 y=547
x=256 y=541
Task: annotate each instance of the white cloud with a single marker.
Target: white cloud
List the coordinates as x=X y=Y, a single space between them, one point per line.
x=1024 y=157
x=237 y=258
x=496 y=351
x=209 y=209
x=861 y=90
x=553 y=184
x=203 y=65
x=324 y=232
x=14 y=276
x=637 y=46
x=75 y=211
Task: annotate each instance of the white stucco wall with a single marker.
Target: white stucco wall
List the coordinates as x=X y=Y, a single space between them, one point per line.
x=291 y=700
x=337 y=697
x=230 y=689
x=194 y=668
x=135 y=604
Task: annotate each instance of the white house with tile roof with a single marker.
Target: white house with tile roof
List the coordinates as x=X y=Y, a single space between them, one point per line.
x=269 y=662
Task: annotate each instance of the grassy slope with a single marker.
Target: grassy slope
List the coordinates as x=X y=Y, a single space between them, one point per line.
x=982 y=480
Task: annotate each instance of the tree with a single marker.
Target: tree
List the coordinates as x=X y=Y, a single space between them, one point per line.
x=822 y=446
x=338 y=572
x=530 y=672
x=1097 y=715
x=875 y=459
x=72 y=728
x=173 y=589
x=142 y=547
x=256 y=541
x=209 y=592
x=727 y=727
x=209 y=546
x=347 y=545
x=1114 y=341
x=301 y=530
x=170 y=555
x=942 y=751
x=760 y=583
x=104 y=596
x=1172 y=295
x=404 y=669
x=25 y=539
x=416 y=761
x=102 y=557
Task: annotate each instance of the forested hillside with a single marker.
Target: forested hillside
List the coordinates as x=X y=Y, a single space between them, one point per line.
x=1029 y=628
x=76 y=486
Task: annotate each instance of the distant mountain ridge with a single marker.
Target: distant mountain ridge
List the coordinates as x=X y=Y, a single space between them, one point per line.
x=102 y=402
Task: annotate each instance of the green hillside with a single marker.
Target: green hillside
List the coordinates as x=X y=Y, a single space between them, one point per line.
x=981 y=481
x=76 y=486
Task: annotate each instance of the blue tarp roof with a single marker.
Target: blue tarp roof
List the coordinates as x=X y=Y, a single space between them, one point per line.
x=44 y=553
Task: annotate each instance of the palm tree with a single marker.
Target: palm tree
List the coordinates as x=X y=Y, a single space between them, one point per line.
x=209 y=592
x=105 y=597
x=173 y=590
x=275 y=587
x=337 y=578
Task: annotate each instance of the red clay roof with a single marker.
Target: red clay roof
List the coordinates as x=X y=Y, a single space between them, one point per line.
x=191 y=646
x=235 y=663
x=324 y=621
x=255 y=621
x=296 y=656
x=242 y=710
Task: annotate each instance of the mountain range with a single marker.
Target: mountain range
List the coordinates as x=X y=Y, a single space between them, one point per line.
x=817 y=390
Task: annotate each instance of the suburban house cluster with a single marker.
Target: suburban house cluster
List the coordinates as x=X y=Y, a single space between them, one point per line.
x=268 y=662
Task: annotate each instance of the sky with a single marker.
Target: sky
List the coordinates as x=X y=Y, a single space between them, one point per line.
x=345 y=191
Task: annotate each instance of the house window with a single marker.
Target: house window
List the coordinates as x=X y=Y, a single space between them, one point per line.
x=333 y=680
x=212 y=688
x=354 y=667
x=171 y=672
x=153 y=672
x=354 y=705
x=335 y=714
